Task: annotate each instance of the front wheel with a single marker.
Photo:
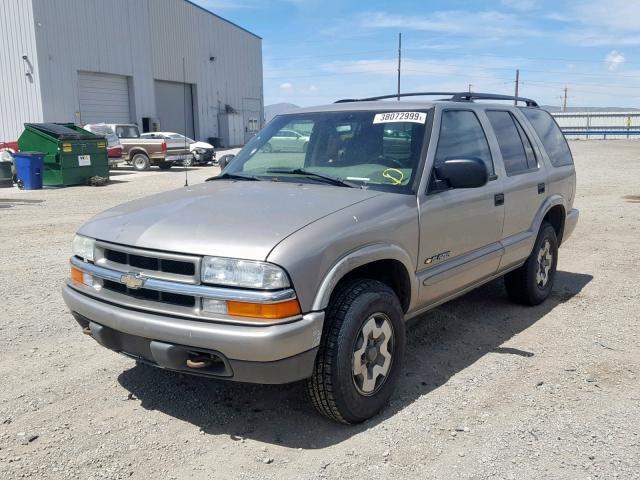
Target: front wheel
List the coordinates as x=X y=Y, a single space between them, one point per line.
x=531 y=284
x=360 y=356
x=165 y=165
x=267 y=148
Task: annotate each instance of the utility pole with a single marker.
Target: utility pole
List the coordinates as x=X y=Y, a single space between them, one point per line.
x=470 y=87
x=564 y=100
x=399 y=61
x=515 y=101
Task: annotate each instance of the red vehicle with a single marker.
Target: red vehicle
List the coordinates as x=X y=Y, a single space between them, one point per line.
x=6 y=149
x=12 y=147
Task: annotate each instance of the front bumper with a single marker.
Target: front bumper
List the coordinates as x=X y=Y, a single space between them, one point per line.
x=280 y=353
x=204 y=157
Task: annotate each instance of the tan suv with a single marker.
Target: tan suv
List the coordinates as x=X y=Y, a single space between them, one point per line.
x=305 y=265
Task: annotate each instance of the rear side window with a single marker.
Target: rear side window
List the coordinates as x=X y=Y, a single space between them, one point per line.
x=551 y=136
x=515 y=147
x=127 y=131
x=462 y=136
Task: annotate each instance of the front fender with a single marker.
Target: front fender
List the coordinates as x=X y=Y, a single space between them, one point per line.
x=358 y=258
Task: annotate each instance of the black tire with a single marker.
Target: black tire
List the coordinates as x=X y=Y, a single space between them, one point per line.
x=140 y=162
x=333 y=388
x=524 y=285
x=267 y=148
x=165 y=165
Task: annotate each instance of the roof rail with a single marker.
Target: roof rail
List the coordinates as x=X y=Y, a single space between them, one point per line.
x=454 y=97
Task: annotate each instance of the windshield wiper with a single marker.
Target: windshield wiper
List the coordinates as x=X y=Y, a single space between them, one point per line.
x=326 y=178
x=234 y=176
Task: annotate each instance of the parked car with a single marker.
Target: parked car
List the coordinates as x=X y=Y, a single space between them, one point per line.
x=114 y=147
x=287 y=141
x=144 y=152
x=306 y=267
x=202 y=153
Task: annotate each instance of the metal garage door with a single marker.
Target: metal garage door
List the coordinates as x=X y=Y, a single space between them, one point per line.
x=103 y=98
x=172 y=98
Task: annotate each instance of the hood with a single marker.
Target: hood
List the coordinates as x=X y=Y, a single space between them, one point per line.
x=205 y=145
x=227 y=218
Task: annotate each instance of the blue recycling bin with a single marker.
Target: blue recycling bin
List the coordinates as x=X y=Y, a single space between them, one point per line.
x=29 y=168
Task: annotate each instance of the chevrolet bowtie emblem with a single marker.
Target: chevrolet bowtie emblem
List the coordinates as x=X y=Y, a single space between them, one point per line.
x=132 y=281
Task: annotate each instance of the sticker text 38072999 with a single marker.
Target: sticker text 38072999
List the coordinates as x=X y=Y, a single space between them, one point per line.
x=415 y=117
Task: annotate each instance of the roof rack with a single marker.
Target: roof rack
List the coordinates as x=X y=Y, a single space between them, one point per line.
x=453 y=97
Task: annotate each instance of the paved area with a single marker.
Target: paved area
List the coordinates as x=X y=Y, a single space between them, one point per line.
x=492 y=390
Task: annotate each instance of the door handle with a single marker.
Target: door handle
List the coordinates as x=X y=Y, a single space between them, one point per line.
x=498 y=199
x=541 y=188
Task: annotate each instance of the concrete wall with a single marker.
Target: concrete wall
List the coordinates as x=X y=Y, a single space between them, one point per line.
x=19 y=92
x=145 y=40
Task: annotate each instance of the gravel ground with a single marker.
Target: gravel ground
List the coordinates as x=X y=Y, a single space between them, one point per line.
x=492 y=390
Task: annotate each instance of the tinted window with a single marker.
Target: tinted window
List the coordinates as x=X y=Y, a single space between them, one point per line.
x=532 y=162
x=510 y=142
x=551 y=136
x=462 y=136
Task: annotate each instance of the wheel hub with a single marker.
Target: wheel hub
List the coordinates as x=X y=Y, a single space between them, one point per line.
x=545 y=260
x=373 y=354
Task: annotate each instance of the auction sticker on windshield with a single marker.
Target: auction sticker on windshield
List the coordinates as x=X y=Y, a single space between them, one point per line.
x=389 y=117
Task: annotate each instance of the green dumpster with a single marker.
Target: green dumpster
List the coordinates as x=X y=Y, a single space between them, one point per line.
x=72 y=155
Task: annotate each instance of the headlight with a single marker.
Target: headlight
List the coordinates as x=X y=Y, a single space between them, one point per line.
x=83 y=247
x=243 y=273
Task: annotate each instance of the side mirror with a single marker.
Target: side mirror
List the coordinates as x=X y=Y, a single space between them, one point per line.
x=224 y=160
x=462 y=172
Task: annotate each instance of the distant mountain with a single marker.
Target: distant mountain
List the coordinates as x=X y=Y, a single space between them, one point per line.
x=553 y=109
x=271 y=111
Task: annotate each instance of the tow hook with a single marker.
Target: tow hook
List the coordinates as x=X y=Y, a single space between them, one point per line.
x=86 y=331
x=199 y=361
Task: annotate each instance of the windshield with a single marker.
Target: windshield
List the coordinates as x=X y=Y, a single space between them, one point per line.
x=370 y=149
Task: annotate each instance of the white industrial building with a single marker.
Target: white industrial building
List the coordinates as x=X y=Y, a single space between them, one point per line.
x=88 y=61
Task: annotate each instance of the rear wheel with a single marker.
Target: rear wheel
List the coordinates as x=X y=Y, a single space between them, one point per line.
x=532 y=283
x=304 y=147
x=360 y=356
x=267 y=148
x=140 y=162
x=165 y=165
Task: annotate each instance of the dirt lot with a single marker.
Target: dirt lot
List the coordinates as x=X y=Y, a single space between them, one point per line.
x=492 y=390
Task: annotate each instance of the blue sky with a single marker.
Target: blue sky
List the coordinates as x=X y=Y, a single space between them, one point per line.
x=316 y=51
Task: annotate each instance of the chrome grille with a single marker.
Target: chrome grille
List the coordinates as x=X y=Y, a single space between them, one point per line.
x=152 y=295
x=162 y=265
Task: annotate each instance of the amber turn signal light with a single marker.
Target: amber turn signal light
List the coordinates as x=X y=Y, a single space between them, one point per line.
x=268 y=311
x=76 y=275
